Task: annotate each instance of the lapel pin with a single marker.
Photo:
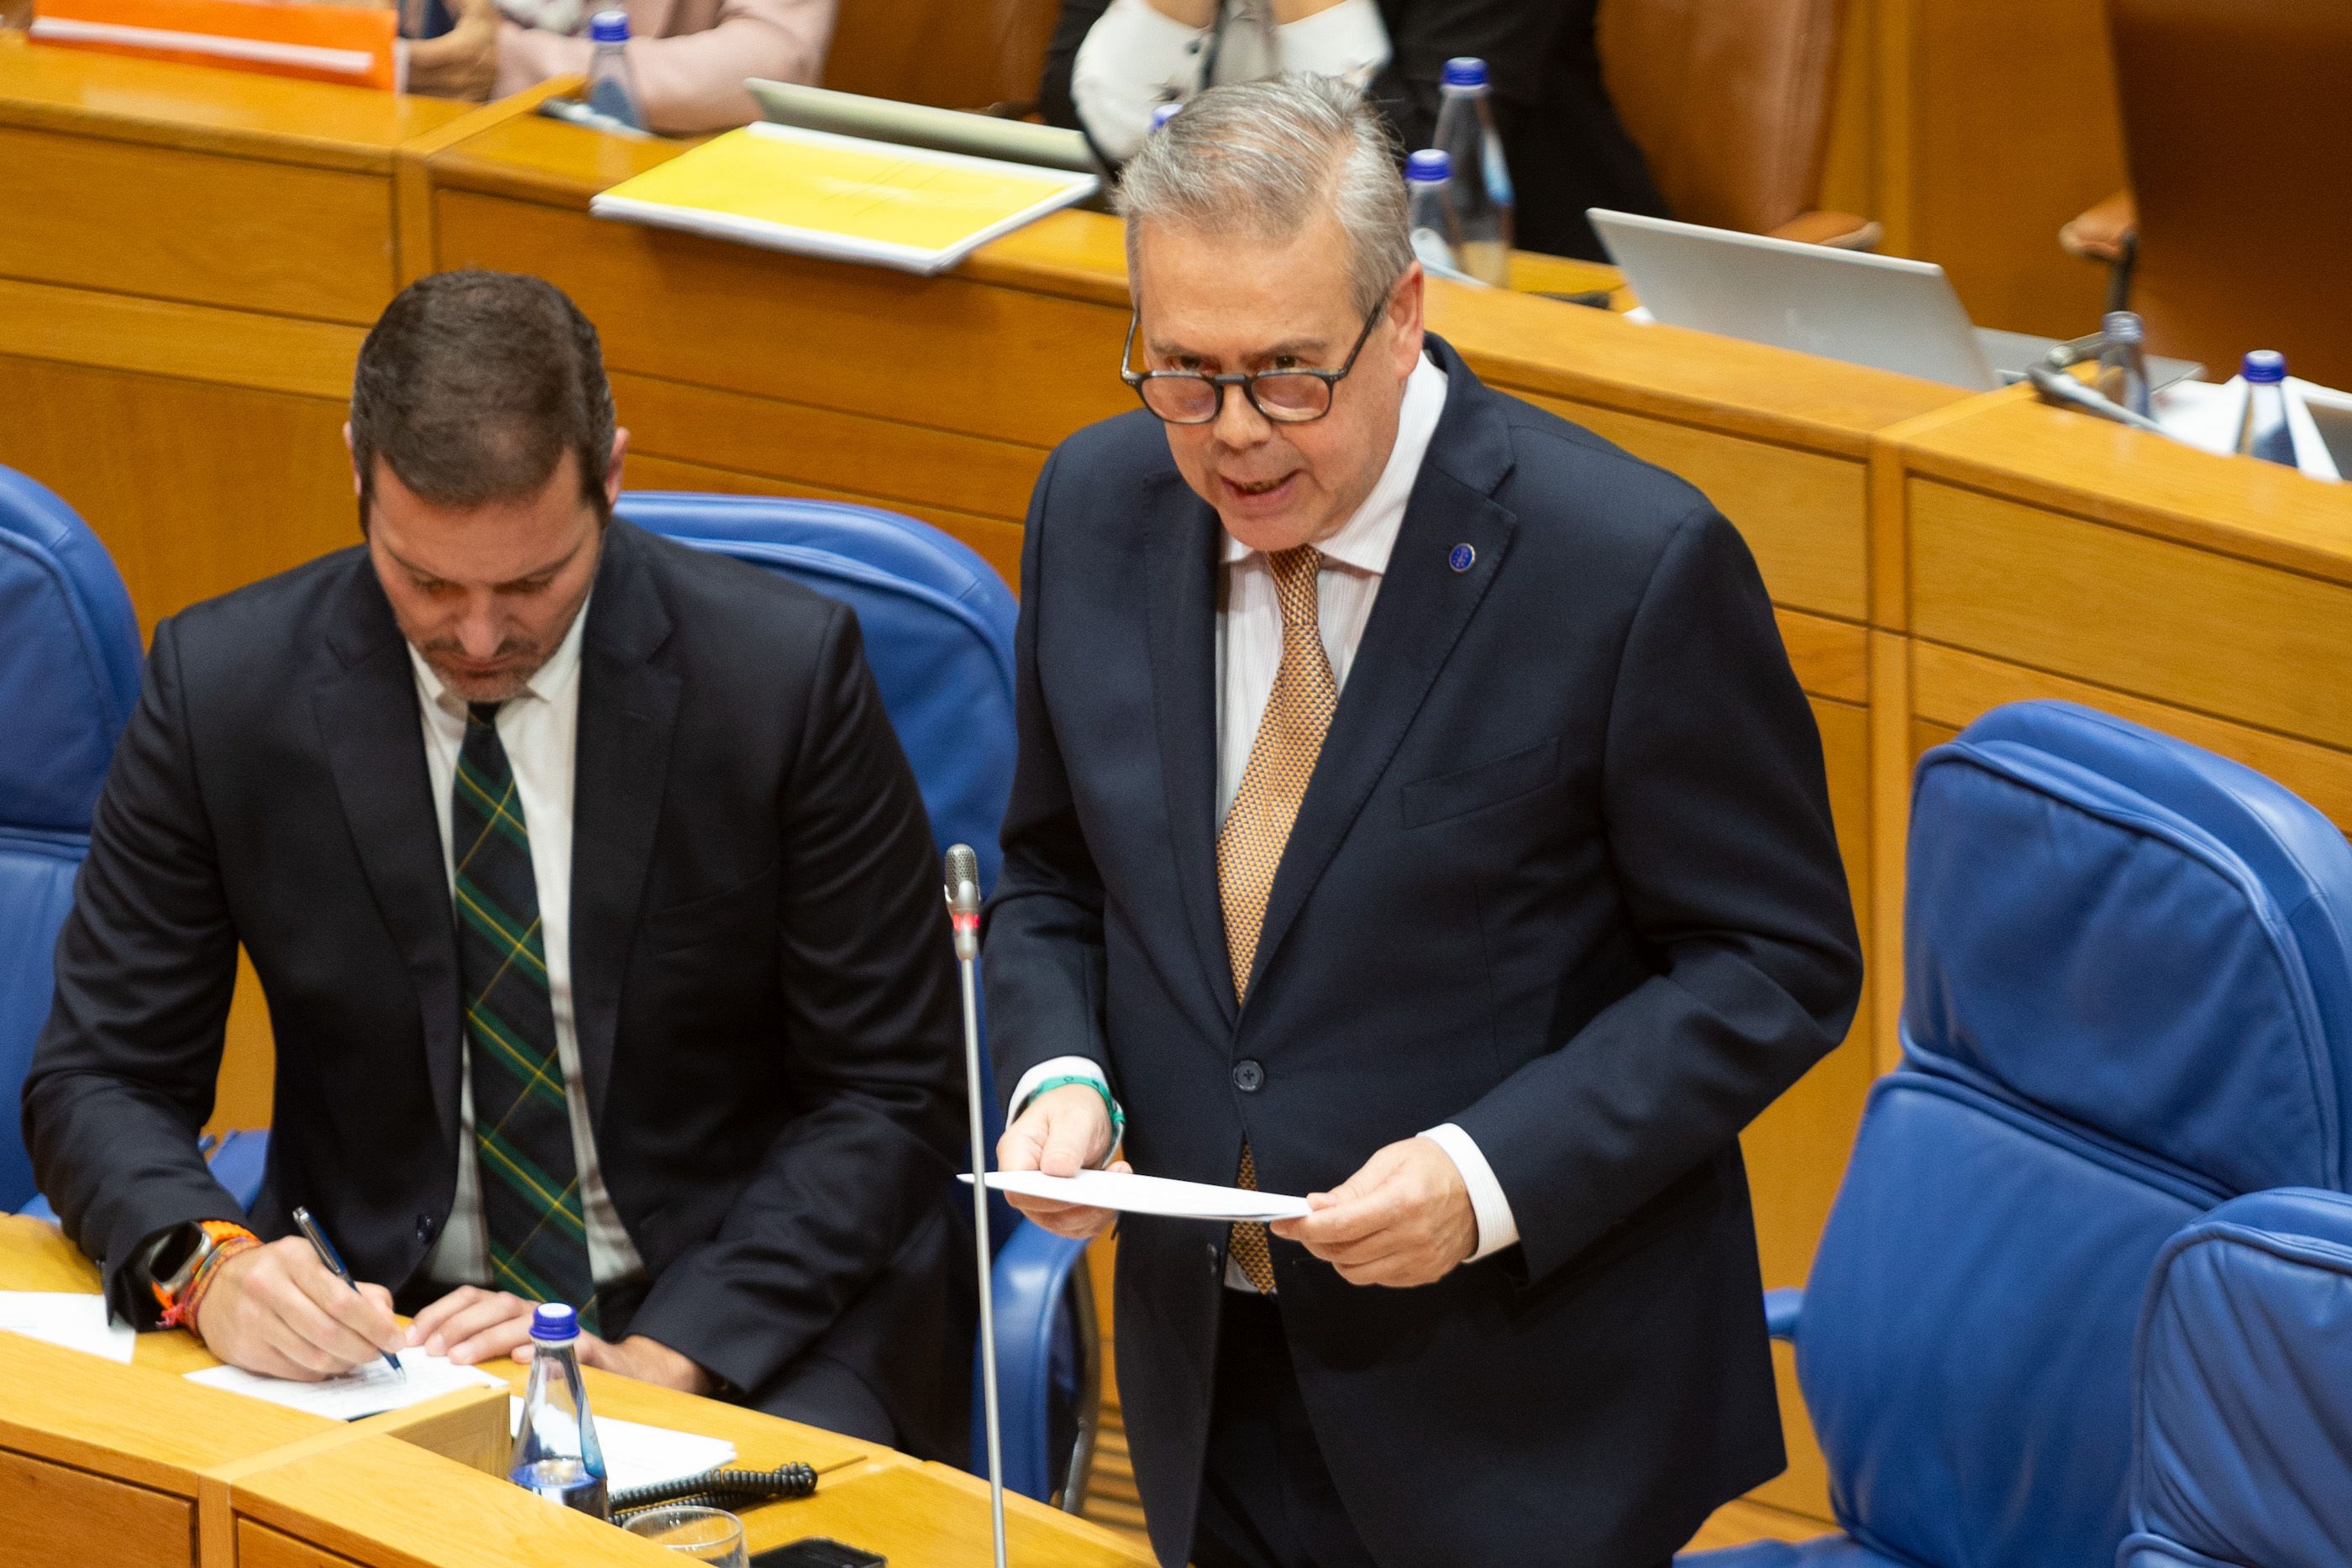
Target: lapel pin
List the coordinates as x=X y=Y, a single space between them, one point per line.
x=1461 y=557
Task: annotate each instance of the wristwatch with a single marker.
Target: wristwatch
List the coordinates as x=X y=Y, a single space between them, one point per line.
x=180 y=1256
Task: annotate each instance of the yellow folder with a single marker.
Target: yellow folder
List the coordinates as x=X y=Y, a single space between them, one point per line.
x=841 y=196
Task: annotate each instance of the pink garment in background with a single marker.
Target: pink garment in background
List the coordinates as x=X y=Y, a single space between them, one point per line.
x=690 y=56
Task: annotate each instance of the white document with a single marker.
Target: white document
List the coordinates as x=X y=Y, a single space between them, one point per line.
x=74 y=1319
x=1131 y=1194
x=370 y=1391
x=639 y=1455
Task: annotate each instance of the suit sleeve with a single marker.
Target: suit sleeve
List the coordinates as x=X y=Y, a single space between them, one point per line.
x=1045 y=926
x=1718 y=829
x=869 y=1013
x=1056 y=104
x=122 y=1076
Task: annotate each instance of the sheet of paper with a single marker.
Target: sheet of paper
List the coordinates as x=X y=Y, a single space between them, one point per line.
x=640 y=1456
x=1132 y=1194
x=370 y=1391
x=75 y=1321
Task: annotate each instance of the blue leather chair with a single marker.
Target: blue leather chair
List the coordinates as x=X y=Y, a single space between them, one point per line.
x=2243 y=1452
x=69 y=664
x=2127 y=998
x=938 y=625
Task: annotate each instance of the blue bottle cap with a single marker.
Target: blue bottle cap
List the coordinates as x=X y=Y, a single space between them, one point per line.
x=1163 y=114
x=609 y=27
x=553 y=1324
x=1430 y=165
x=1466 y=70
x=2264 y=367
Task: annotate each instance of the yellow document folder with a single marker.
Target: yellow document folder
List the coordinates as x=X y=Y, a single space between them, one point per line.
x=843 y=197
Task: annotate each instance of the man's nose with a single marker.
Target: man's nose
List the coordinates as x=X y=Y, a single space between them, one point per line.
x=1239 y=424
x=478 y=631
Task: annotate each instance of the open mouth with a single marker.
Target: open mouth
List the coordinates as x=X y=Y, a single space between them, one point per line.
x=1259 y=492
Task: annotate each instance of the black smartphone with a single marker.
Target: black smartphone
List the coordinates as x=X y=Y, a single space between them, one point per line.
x=816 y=1552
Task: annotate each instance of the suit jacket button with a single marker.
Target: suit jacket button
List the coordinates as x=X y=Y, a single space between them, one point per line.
x=424 y=1228
x=1248 y=1077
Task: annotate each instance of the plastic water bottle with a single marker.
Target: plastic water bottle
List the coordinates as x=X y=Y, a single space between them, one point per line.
x=556 y=1453
x=612 y=84
x=2265 y=432
x=1482 y=200
x=2123 y=362
x=1430 y=206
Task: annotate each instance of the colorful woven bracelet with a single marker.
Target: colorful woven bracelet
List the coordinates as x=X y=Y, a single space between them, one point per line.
x=1117 y=1117
x=228 y=1240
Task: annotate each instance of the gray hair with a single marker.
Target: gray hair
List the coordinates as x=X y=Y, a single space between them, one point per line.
x=1259 y=158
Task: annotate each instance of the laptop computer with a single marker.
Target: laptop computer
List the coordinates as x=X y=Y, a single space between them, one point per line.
x=920 y=125
x=1883 y=311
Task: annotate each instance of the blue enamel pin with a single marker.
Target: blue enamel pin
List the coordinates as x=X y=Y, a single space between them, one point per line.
x=1461 y=557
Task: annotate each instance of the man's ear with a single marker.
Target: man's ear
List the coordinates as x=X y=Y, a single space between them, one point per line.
x=1404 y=315
x=612 y=468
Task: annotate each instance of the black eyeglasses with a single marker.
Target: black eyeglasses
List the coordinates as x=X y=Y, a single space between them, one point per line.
x=1196 y=397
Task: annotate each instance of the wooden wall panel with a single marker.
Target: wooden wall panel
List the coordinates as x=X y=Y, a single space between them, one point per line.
x=2130 y=612
x=912 y=462
x=52 y=1517
x=196 y=489
x=941 y=351
x=195 y=226
x=998 y=541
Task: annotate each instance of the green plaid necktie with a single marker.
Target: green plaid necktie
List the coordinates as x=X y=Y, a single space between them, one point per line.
x=531 y=1211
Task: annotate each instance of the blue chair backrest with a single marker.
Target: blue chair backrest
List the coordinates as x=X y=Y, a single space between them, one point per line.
x=937 y=623
x=69 y=665
x=2243 y=1449
x=2127 y=997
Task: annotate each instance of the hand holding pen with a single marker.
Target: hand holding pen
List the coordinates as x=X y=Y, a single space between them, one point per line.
x=334 y=1262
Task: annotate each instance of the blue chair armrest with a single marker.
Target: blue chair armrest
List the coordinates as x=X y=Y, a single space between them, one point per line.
x=240 y=1161
x=1032 y=1275
x=1781 y=1309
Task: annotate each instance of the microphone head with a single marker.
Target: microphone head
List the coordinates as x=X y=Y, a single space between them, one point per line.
x=963 y=899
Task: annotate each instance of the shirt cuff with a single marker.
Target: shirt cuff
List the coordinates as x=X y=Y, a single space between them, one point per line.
x=1056 y=1067
x=1344 y=40
x=1496 y=1229
x=1133 y=60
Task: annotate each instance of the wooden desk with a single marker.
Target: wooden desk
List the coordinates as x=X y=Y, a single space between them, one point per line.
x=170 y=1473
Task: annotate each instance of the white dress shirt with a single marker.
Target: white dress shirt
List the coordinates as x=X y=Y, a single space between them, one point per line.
x=1249 y=650
x=1137 y=57
x=539 y=729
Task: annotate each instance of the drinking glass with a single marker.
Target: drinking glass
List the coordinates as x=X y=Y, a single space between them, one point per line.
x=710 y=1535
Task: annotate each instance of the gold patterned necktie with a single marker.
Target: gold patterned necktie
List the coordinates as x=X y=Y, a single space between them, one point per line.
x=1249 y=847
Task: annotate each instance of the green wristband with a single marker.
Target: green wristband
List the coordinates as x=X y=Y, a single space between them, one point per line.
x=1118 y=1118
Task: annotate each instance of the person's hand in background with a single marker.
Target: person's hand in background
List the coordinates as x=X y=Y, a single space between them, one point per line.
x=462 y=62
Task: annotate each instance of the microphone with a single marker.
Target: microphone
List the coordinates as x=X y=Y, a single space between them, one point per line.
x=963 y=913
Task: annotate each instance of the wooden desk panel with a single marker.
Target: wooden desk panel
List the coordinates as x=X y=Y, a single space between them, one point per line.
x=2133 y=614
x=258 y=1546
x=198 y=226
x=50 y=1517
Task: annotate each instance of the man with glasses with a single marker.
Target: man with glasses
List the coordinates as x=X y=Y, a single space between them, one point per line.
x=1416 y=811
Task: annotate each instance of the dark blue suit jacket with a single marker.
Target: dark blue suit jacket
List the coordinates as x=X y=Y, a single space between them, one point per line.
x=1565 y=875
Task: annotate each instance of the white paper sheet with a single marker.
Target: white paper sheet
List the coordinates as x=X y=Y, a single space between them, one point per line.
x=641 y=1456
x=76 y=1321
x=370 y=1391
x=1132 y=1194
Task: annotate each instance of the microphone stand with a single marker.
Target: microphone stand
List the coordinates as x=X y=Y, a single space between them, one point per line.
x=963 y=913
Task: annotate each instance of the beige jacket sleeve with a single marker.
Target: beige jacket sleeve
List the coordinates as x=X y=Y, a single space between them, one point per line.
x=690 y=56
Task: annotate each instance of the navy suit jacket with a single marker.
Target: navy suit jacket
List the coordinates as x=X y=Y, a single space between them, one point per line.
x=764 y=979
x=1565 y=875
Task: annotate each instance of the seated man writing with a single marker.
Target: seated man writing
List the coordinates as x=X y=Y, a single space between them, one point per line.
x=597 y=913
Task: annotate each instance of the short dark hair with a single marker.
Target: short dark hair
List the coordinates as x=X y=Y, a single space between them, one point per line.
x=473 y=384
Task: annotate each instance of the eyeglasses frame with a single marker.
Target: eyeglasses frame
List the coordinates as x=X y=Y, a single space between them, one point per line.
x=1246 y=380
